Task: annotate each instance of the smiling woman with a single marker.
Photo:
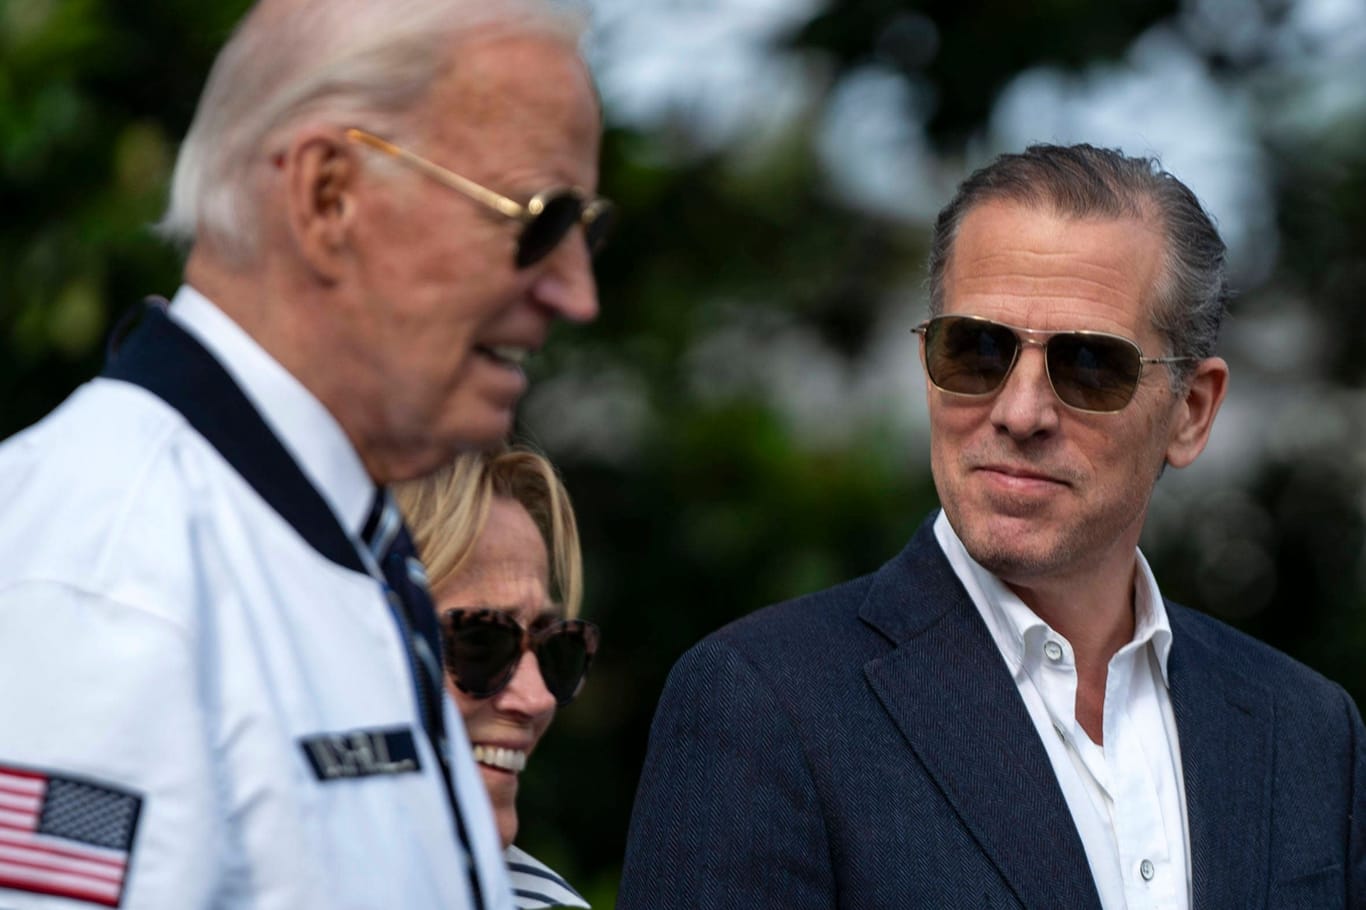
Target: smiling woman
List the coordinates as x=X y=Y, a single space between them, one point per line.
x=498 y=536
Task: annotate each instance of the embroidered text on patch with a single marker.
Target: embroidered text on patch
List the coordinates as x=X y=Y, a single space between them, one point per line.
x=361 y=753
x=66 y=837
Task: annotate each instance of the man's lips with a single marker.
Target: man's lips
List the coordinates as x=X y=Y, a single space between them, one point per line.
x=1021 y=477
x=509 y=355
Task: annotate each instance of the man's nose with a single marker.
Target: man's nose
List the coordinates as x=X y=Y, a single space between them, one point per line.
x=1025 y=404
x=566 y=285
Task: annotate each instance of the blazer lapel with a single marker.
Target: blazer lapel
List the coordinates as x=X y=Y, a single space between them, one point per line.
x=948 y=690
x=1224 y=724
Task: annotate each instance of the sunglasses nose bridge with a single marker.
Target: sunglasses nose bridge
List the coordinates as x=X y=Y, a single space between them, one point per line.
x=1026 y=400
x=1023 y=340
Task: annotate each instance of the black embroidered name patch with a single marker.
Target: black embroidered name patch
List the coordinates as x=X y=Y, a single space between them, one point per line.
x=361 y=753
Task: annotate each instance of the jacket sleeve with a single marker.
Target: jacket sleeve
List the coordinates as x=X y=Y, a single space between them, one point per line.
x=110 y=785
x=727 y=814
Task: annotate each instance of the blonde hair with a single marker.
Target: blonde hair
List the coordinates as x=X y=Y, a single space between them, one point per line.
x=446 y=512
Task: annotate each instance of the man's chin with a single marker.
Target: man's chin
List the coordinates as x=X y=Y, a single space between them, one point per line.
x=480 y=421
x=485 y=433
x=488 y=431
x=1011 y=548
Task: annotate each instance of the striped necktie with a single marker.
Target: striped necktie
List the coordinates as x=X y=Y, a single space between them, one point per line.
x=406 y=590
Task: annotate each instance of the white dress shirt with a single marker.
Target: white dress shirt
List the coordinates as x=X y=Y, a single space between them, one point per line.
x=235 y=707
x=1126 y=798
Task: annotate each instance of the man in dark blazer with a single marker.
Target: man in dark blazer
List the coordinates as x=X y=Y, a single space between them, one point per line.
x=1008 y=713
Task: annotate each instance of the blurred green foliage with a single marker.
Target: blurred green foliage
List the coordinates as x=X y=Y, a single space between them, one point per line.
x=714 y=504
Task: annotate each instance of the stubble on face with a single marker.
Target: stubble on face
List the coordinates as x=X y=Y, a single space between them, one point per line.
x=1093 y=521
x=1035 y=489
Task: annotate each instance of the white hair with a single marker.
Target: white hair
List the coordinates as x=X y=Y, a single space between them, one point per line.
x=295 y=62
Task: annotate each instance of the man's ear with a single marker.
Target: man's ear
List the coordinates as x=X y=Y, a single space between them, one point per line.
x=320 y=174
x=1196 y=410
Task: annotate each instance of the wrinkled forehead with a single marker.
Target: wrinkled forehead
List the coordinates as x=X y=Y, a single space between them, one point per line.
x=502 y=580
x=515 y=111
x=1032 y=266
x=502 y=72
x=508 y=566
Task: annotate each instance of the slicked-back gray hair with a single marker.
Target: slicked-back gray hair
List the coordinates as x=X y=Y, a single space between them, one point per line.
x=293 y=62
x=1082 y=181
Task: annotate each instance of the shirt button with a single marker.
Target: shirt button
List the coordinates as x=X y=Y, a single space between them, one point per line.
x=1146 y=870
x=1053 y=650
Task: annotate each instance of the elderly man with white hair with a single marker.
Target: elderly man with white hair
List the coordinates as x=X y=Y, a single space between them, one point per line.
x=218 y=682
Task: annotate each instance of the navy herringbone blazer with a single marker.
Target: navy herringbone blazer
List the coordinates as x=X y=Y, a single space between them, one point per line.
x=866 y=747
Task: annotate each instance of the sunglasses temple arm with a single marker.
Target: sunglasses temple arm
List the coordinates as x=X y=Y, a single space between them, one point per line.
x=481 y=194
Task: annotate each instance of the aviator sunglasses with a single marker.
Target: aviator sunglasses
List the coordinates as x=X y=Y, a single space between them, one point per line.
x=1090 y=371
x=482 y=648
x=546 y=219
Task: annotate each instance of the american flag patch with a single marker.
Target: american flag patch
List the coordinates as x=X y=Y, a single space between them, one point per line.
x=67 y=837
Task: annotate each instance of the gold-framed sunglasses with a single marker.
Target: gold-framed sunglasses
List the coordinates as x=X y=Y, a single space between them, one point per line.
x=1094 y=372
x=546 y=219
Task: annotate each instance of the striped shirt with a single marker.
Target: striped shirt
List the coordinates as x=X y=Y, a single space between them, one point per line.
x=535 y=885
